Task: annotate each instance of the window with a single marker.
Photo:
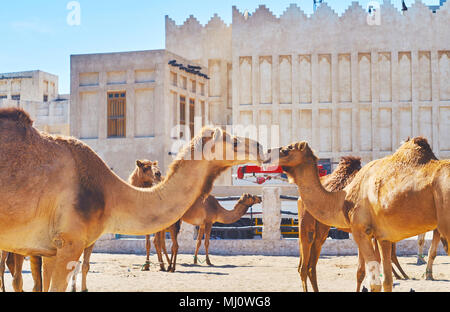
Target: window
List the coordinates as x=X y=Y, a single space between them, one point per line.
x=182 y=114
x=173 y=78
x=184 y=83
x=202 y=89
x=15 y=97
x=117 y=114
x=191 y=116
x=202 y=104
x=193 y=86
x=45 y=98
x=3 y=96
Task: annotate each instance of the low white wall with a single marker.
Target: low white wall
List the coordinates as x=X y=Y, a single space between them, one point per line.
x=271 y=243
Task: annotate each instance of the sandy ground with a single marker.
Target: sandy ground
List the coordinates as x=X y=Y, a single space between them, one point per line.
x=115 y=272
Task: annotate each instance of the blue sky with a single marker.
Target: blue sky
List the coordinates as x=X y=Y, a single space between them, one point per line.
x=35 y=34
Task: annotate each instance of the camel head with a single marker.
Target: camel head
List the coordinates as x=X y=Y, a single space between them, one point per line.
x=250 y=200
x=148 y=172
x=222 y=149
x=290 y=156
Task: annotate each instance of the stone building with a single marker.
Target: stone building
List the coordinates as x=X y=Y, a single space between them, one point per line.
x=37 y=92
x=340 y=82
x=346 y=86
x=127 y=106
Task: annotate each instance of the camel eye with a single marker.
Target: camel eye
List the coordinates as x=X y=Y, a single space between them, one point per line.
x=285 y=152
x=158 y=174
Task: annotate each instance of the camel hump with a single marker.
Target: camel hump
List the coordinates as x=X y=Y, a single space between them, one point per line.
x=422 y=142
x=17 y=115
x=352 y=162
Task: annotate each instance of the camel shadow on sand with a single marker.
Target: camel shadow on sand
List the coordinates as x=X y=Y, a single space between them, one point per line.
x=225 y=266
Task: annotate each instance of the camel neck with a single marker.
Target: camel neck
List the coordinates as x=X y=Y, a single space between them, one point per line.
x=324 y=206
x=135 y=211
x=227 y=217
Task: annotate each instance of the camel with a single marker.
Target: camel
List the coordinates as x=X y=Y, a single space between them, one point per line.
x=146 y=174
x=59 y=197
x=389 y=199
x=312 y=234
x=203 y=214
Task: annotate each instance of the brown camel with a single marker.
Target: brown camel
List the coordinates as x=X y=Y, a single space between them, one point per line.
x=59 y=197
x=204 y=214
x=312 y=234
x=389 y=199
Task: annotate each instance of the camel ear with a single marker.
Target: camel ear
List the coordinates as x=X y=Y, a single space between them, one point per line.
x=139 y=164
x=218 y=134
x=300 y=146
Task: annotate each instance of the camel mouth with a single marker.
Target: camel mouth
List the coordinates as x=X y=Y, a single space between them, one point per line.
x=271 y=158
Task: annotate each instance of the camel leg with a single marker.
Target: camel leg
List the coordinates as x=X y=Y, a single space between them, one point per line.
x=386 y=256
x=48 y=264
x=432 y=255
x=314 y=258
x=174 y=230
x=361 y=272
x=158 y=242
x=162 y=239
x=306 y=239
x=394 y=260
x=147 y=247
x=208 y=228
x=85 y=267
x=3 y=257
x=368 y=253
x=74 y=277
x=11 y=262
x=65 y=262
x=36 y=265
x=305 y=252
x=201 y=230
x=17 y=277
x=420 y=247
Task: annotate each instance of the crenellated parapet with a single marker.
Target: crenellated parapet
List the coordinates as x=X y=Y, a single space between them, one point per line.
x=326 y=29
x=199 y=42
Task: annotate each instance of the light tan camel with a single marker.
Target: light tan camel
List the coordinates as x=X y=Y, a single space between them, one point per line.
x=390 y=199
x=146 y=174
x=312 y=233
x=204 y=214
x=59 y=197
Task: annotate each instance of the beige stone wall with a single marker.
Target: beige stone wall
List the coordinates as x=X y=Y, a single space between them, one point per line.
x=153 y=89
x=343 y=85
